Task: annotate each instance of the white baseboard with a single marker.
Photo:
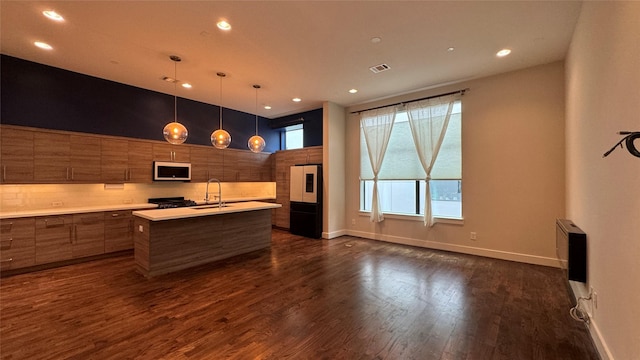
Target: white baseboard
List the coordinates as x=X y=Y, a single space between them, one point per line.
x=581 y=290
x=333 y=234
x=496 y=254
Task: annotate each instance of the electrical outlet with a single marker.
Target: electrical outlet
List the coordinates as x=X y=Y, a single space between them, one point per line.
x=353 y=221
x=473 y=236
x=56 y=203
x=127 y=201
x=140 y=228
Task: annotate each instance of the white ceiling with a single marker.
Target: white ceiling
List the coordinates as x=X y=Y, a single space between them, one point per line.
x=315 y=50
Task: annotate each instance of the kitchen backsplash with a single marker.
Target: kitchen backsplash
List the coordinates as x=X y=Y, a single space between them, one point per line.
x=43 y=196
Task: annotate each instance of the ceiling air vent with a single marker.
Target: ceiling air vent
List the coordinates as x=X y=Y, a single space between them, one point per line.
x=169 y=79
x=379 y=68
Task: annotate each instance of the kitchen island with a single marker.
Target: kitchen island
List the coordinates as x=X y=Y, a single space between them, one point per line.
x=169 y=240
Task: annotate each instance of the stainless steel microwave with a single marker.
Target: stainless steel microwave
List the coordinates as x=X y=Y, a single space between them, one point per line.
x=171 y=171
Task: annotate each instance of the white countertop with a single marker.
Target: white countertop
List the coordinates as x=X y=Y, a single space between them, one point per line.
x=203 y=210
x=73 y=210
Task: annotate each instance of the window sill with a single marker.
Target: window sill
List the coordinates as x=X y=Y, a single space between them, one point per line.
x=406 y=217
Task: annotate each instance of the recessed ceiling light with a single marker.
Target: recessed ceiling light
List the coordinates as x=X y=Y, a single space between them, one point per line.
x=296 y=99
x=53 y=15
x=43 y=45
x=267 y=107
x=503 y=52
x=451 y=49
x=223 y=25
x=353 y=91
x=186 y=86
x=375 y=40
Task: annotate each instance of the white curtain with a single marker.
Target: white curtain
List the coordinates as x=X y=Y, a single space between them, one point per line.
x=428 y=120
x=376 y=126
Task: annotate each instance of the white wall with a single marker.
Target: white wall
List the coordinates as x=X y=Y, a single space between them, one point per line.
x=603 y=195
x=333 y=170
x=513 y=170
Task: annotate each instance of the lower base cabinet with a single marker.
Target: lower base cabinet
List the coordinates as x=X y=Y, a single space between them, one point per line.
x=118 y=231
x=17 y=243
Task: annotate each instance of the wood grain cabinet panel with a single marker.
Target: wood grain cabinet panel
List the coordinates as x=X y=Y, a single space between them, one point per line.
x=16 y=152
x=88 y=235
x=118 y=231
x=170 y=152
x=206 y=163
x=140 y=161
x=53 y=238
x=85 y=159
x=52 y=161
x=114 y=160
x=17 y=243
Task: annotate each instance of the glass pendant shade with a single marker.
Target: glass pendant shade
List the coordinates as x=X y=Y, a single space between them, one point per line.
x=175 y=133
x=220 y=139
x=256 y=144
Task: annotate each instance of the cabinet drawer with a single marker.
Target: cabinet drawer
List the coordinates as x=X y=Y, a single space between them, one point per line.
x=17 y=243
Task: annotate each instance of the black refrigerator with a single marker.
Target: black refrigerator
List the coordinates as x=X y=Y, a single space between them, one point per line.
x=305 y=195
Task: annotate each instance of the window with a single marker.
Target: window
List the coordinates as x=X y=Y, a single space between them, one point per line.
x=293 y=137
x=401 y=183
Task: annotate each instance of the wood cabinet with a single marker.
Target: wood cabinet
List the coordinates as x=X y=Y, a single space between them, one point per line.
x=247 y=166
x=53 y=238
x=61 y=158
x=206 y=163
x=126 y=161
x=17 y=243
x=67 y=237
x=118 y=230
x=87 y=235
x=170 y=152
x=16 y=155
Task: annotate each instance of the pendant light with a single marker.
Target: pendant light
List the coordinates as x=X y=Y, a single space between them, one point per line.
x=256 y=143
x=174 y=132
x=220 y=138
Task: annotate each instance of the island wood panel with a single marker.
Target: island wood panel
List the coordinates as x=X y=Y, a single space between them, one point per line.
x=17 y=243
x=172 y=245
x=16 y=155
x=283 y=161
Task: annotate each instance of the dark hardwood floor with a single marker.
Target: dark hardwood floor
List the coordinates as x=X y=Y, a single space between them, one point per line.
x=346 y=298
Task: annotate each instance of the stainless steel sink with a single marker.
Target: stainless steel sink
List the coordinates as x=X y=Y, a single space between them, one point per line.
x=208 y=207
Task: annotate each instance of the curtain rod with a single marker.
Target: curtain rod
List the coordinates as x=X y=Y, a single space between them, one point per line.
x=461 y=92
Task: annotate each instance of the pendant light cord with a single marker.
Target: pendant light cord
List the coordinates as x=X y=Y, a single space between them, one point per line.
x=220 y=75
x=175 y=90
x=256 y=87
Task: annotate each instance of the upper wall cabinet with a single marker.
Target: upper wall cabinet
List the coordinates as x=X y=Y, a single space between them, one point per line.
x=60 y=158
x=206 y=163
x=126 y=161
x=16 y=151
x=169 y=152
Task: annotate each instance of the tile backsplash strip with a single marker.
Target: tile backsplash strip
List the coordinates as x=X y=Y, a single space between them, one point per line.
x=44 y=196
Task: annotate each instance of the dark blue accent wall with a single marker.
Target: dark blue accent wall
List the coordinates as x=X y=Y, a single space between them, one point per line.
x=46 y=97
x=312 y=125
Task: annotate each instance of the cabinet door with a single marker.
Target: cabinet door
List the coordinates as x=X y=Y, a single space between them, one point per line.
x=114 y=160
x=169 y=152
x=140 y=161
x=51 y=157
x=231 y=166
x=17 y=243
x=16 y=156
x=85 y=159
x=206 y=163
x=118 y=231
x=53 y=238
x=88 y=235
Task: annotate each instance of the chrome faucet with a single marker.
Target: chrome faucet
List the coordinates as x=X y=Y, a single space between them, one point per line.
x=206 y=195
